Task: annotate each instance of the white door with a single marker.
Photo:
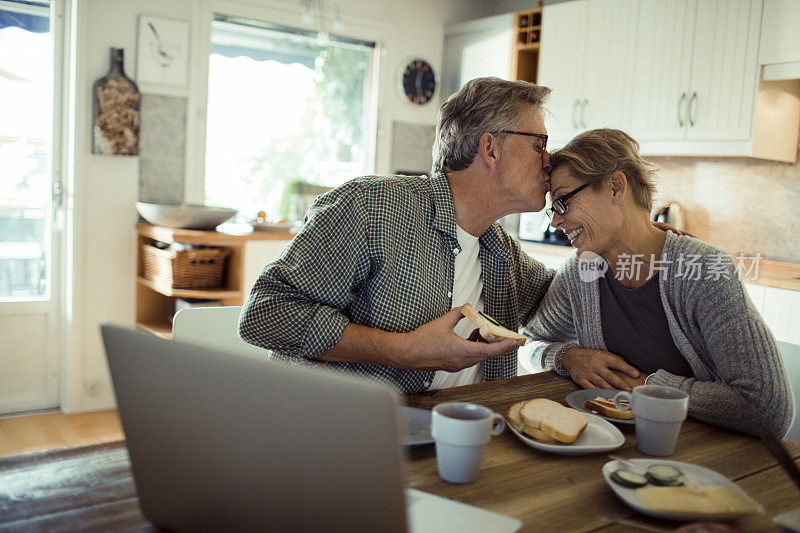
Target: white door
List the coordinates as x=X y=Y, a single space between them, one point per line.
x=609 y=64
x=561 y=67
x=662 y=68
x=724 y=69
x=29 y=318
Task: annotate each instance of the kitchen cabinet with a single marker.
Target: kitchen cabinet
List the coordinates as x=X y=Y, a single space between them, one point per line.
x=586 y=56
x=249 y=252
x=781 y=312
x=695 y=69
x=695 y=76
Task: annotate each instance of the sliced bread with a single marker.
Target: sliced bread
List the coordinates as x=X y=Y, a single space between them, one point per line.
x=516 y=422
x=561 y=423
x=606 y=408
x=489 y=328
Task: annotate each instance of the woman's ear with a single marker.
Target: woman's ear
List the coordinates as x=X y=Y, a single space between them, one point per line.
x=619 y=187
x=488 y=149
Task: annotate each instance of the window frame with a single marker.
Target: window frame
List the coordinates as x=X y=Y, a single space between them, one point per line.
x=194 y=182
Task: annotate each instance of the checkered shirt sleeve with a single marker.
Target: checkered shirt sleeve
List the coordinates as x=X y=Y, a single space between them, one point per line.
x=380 y=251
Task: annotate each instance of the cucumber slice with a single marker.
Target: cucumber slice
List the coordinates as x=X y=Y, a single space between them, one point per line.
x=628 y=479
x=660 y=483
x=662 y=474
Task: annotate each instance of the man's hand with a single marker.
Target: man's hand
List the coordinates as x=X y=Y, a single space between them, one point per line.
x=434 y=346
x=597 y=369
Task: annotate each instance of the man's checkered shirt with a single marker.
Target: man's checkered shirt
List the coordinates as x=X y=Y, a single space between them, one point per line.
x=380 y=251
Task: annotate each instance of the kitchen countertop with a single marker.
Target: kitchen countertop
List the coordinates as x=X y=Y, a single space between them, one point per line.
x=225 y=234
x=770 y=273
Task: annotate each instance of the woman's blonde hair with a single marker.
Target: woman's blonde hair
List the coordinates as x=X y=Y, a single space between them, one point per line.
x=594 y=155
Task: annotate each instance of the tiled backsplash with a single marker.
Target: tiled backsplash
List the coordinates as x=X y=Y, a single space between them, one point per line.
x=162 y=149
x=742 y=205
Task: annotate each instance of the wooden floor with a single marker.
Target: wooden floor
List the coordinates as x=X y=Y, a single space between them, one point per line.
x=19 y=434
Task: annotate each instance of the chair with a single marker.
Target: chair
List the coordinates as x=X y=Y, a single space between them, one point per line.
x=791 y=362
x=215 y=327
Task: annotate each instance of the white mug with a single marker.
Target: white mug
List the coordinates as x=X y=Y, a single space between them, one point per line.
x=658 y=412
x=461 y=431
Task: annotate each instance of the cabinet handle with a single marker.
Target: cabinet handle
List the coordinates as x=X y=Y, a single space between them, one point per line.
x=692 y=109
x=575 y=124
x=583 y=112
x=680 y=108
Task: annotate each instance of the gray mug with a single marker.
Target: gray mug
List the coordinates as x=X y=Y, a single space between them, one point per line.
x=658 y=412
x=461 y=431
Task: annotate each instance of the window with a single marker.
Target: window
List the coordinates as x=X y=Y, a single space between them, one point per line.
x=26 y=110
x=288 y=114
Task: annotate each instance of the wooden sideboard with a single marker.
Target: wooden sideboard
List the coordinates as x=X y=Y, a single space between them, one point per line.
x=155 y=303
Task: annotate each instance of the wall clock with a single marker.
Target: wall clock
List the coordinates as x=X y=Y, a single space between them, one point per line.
x=418 y=81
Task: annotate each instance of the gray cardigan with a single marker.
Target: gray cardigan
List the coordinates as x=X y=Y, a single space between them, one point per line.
x=739 y=382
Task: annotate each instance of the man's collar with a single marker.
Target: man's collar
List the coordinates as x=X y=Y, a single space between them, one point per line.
x=444 y=217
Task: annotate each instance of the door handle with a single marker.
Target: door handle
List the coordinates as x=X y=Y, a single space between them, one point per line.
x=575 y=124
x=680 y=108
x=692 y=109
x=583 y=112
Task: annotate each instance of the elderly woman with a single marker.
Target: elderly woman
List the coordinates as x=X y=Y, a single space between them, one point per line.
x=658 y=308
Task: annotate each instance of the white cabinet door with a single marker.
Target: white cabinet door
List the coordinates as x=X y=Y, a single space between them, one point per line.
x=724 y=69
x=662 y=69
x=757 y=294
x=561 y=65
x=782 y=313
x=608 y=76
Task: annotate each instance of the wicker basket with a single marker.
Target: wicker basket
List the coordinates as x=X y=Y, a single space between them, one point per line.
x=185 y=269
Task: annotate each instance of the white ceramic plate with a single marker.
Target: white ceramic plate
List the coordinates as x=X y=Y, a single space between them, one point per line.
x=272 y=227
x=598 y=437
x=702 y=476
x=416 y=424
x=577 y=400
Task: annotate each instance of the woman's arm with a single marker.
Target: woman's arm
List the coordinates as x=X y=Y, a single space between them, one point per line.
x=750 y=387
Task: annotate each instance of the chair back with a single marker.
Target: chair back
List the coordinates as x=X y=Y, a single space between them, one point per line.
x=214 y=327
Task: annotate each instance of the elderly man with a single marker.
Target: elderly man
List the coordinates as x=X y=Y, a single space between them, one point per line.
x=374 y=282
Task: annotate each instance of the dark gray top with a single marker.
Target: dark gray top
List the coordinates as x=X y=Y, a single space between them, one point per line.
x=635 y=326
x=739 y=381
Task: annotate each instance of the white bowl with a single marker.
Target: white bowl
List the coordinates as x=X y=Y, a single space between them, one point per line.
x=186 y=216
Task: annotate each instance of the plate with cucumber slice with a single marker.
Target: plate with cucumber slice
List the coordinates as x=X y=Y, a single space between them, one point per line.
x=663 y=489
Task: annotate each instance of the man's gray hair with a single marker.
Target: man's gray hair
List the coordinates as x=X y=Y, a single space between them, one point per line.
x=482 y=105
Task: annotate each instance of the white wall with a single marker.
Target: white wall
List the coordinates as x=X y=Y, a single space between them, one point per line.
x=104 y=189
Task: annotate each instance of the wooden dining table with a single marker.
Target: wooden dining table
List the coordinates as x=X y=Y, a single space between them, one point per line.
x=91 y=487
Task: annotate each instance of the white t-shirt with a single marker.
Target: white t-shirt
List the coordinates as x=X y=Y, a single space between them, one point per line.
x=467 y=288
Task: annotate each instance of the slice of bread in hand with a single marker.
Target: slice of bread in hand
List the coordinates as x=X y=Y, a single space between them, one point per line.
x=489 y=328
x=516 y=422
x=559 y=422
x=606 y=408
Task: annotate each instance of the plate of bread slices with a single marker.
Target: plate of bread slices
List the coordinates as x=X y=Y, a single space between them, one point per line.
x=600 y=402
x=677 y=491
x=551 y=427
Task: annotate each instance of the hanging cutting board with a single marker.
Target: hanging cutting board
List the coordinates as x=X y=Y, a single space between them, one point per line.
x=115 y=99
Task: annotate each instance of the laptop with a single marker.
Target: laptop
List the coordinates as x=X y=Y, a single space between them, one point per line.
x=225 y=442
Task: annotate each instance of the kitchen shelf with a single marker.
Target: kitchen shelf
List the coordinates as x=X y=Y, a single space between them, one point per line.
x=531 y=46
x=527 y=31
x=210 y=294
x=155 y=302
x=160 y=329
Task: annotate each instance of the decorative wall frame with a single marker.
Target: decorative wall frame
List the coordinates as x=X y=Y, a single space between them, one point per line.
x=163 y=51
